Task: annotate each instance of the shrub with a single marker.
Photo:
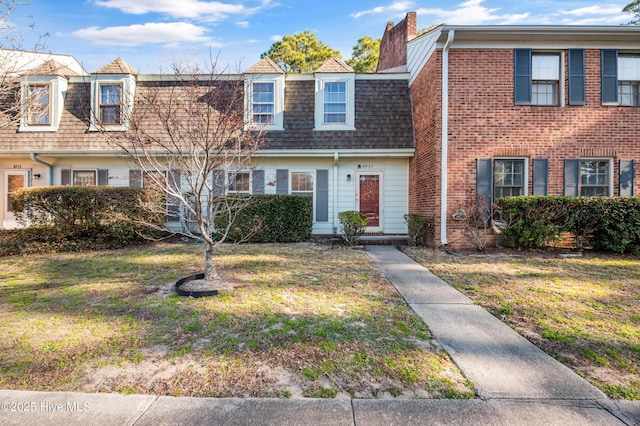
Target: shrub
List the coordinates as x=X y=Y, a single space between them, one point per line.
x=352 y=225
x=530 y=222
x=272 y=219
x=418 y=226
x=71 y=218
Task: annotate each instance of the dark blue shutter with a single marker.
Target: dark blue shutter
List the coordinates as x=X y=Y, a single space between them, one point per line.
x=540 y=173
x=173 y=202
x=571 y=177
x=65 y=177
x=103 y=177
x=576 y=77
x=522 y=76
x=135 y=178
x=626 y=178
x=484 y=177
x=218 y=183
x=322 y=195
x=257 y=182
x=282 y=181
x=609 y=70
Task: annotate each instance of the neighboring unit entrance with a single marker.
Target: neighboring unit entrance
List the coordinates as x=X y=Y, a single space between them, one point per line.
x=369 y=198
x=13 y=180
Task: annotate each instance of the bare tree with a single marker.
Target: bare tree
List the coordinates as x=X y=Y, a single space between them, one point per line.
x=16 y=61
x=188 y=138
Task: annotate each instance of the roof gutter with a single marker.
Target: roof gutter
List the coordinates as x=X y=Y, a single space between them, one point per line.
x=35 y=158
x=445 y=138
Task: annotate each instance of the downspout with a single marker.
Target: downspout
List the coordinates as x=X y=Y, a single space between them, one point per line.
x=445 y=139
x=336 y=157
x=35 y=158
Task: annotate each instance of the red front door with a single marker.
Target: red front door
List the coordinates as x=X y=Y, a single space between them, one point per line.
x=370 y=198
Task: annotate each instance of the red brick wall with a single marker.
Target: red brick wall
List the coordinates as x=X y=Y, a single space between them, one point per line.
x=485 y=123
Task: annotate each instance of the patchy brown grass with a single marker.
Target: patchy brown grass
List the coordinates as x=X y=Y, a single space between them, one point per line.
x=302 y=321
x=585 y=310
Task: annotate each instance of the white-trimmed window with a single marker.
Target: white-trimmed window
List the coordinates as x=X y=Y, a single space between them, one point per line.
x=83 y=177
x=110 y=103
x=629 y=79
x=335 y=102
x=239 y=182
x=545 y=79
x=595 y=177
x=509 y=177
x=264 y=101
x=39 y=104
x=302 y=183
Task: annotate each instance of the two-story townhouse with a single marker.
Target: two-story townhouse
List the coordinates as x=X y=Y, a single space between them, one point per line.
x=343 y=138
x=519 y=110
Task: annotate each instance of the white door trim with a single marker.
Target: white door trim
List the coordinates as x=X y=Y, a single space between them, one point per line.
x=8 y=219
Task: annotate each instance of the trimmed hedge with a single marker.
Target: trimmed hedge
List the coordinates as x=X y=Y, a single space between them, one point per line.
x=272 y=219
x=606 y=223
x=72 y=218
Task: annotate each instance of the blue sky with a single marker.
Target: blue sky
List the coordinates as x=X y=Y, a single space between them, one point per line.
x=152 y=34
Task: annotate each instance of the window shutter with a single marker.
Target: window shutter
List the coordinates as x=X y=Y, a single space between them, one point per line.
x=173 y=202
x=282 y=181
x=103 y=177
x=218 y=183
x=576 y=77
x=322 y=195
x=540 y=173
x=484 y=176
x=609 y=69
x=571 y=177
x=135 y=178
x=522 y=76
x=257 y=182
x=65 y=177
x=626 y=178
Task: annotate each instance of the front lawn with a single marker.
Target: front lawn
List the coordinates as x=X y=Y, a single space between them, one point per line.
x=585 y=311
x=302 y=321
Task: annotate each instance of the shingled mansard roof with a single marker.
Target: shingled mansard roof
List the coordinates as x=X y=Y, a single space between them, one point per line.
x=334 y=65
x=52 y=67
x=265 y=66
x=118 y=66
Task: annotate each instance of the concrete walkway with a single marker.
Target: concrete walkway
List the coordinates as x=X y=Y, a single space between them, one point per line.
x=518 y=384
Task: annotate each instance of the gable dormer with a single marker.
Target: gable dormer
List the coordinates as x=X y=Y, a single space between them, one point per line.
x=335 y=96
x=43 y=91
x=113 y=89
x=264 y=95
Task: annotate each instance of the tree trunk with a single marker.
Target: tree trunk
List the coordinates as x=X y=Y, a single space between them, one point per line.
x=210 y=273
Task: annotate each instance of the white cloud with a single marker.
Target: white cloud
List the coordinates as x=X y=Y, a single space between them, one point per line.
x=594 y=10
x=392 y=9
x=243 y=24
x=275 y=37
x=192 y=9
x=135 y=35
x=472 y=12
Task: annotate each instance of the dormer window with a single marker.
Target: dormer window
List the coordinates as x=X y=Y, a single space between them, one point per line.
x=263 y=102
x=110 y=103
x=38 y=105
x=335 y=102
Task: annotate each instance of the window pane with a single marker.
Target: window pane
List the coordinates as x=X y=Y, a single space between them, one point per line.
x=544 y=93
x=38 y=105
x=335 y=102
x=110 y=115
x=263 y=103
x=110 y=94
x=629 y=67
x=545 y=67
x=84 y=177
x=629 y=93
x=508 y=177
x=301 y=182
x=238 y=182
x=594 y=178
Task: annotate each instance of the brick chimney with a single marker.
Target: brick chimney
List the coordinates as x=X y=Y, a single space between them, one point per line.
x=393 y=46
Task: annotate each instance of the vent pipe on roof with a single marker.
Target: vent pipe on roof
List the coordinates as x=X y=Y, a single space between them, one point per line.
x=445 y=141
x=35 y=158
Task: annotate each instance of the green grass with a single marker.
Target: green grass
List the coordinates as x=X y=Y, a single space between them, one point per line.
x=302 y=320
x=582 y=310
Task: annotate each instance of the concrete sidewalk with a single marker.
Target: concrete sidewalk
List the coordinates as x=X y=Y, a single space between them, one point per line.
x=518 y=384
